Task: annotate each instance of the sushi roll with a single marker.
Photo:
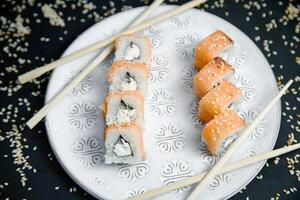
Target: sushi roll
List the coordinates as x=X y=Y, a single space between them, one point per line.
x=131 y=48
x=124 y=144
x=124 y=108
x=212 y=74
x=124 y=76
x=211 y=47
x=217 y=100
x=221 y=131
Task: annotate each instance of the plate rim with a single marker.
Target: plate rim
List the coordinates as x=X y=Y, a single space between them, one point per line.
x=82 y=34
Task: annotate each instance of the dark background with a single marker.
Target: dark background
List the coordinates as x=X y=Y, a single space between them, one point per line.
x=28 y=168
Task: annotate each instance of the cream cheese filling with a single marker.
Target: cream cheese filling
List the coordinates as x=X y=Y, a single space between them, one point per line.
x=132 y=52
x=122 y=148
x=125 y=113
x=128 y=83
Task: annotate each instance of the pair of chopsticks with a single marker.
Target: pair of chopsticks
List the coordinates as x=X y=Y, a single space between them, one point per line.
x=135 y=26
x=219 y=168
x=227 y=168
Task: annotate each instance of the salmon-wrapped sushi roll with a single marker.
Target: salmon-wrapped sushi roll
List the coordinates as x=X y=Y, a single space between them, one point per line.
x=124 y=144
x=212 y=74
x=133 y=48
x=123 y=108
x=221 y=131
x=211 y=47
x=217 y=100
x=124 y=76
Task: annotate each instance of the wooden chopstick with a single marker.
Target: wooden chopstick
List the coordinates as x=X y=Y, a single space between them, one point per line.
x=233 y=147
x=137 y=27
x=56 y=99
x=227 y=168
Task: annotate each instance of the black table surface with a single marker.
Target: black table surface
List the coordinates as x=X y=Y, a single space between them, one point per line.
x=29 y=170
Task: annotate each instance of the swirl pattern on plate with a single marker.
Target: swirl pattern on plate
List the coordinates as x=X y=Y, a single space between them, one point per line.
x=159 y=69
x=169 y=138
x=135 y=192
x=260 y=130
x=247 y=87
x=88 y=152
x=174 y=171
x=250 y=153
x=155 y=34
x=134 y=171
x=162 y=103
x=84 y=86
x=194 y=114
x=207 y=157
x=102 y=182
x=185 y=45
x=182 y=21
x=187 y=77
x=219 y=181
x=82 y=115
x=107 y=63
x=235 y=56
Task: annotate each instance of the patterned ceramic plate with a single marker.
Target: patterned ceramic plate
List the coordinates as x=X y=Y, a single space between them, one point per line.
x=174 y=152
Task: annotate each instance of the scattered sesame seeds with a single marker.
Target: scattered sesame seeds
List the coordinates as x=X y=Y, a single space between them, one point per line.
x=276 y=160
x=259 y=177
x=73 y=189
x=291 y=164
x=52 y=15
x=290 y=190
x=16 y=31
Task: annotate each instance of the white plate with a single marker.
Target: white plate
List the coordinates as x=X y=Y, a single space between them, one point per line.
x=171 y=134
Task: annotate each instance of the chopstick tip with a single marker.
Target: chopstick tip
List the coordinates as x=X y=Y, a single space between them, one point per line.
x=22 y=79
x=290 y=82
x=31 y=123
x=287 y=85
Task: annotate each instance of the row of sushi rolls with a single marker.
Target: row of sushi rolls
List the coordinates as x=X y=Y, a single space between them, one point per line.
x=128 y=75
